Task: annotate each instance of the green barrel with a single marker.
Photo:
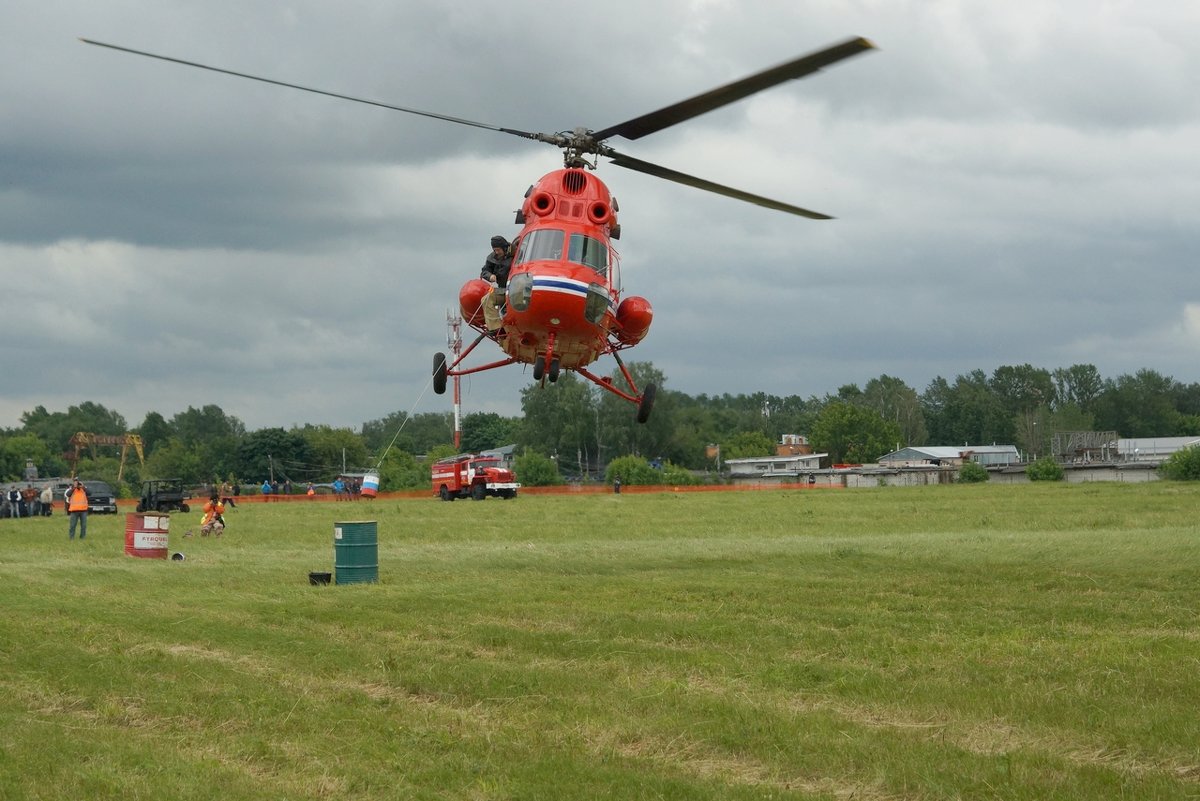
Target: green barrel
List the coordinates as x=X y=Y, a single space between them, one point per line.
x=355 y=552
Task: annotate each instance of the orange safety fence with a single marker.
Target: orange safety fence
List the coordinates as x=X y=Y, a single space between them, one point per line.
x=566 y=489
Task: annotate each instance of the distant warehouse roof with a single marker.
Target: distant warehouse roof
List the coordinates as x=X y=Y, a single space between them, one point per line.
x=953 y=454
x=1153 y=448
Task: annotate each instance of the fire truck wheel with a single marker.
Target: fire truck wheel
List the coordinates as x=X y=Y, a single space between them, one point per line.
x=445 y=494
x=478 y=492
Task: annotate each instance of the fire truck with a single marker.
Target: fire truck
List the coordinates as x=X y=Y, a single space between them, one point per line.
x=473 y=476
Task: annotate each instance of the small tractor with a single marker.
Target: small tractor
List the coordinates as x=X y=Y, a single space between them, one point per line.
x=163 y=495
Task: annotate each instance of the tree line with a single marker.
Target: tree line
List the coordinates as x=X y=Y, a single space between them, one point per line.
x=574 y=430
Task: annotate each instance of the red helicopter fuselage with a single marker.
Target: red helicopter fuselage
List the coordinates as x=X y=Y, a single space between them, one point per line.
x=562 y=307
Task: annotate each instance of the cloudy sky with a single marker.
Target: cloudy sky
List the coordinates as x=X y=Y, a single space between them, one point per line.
x=1013 y=183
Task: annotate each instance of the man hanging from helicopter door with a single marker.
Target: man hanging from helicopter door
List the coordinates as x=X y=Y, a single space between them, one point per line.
x=495 y=271
x=498 y=263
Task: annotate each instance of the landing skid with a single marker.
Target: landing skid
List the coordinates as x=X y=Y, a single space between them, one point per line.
x=543 y=370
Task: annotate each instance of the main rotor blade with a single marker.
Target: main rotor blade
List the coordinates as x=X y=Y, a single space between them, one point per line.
x=459 y=120
x=723 y=95
x=638 y=165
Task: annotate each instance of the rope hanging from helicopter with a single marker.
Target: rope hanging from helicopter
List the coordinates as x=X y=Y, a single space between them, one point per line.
x=408 y=415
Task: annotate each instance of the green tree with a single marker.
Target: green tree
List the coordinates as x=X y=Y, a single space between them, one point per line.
x=966 y=412
x=269 y=451
x=57 y=428
x=559 y=418
x=972 y=473
x=483 y=431
x=330 y=451
x=894 y=400
x=1182 y=465
x=853 y=434
x=417 y=434
x=106 y=468
x=632 y=470
x=747 y=444
x=1045 y=469
x=17 y=449
x=676 y=476
x=439 y=452
x=154 y=430
x=1078 y=385
x=213 y=436
x=1022 y=388
x=399 y=470
x=1139 y=405
x=691 y=435
x=536 y=470
x=195 y=426
x=618 y=431
x=174 y=459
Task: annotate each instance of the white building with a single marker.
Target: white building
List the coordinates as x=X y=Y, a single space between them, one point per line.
x=774 y=468
x=952 y=456
x=1152 y=449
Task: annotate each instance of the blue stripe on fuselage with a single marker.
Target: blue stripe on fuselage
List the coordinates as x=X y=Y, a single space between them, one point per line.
x=561 y=285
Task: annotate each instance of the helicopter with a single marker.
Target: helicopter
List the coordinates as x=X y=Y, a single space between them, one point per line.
x=562 y=306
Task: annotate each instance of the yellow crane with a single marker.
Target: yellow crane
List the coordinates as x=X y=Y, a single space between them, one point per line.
x=85 y=439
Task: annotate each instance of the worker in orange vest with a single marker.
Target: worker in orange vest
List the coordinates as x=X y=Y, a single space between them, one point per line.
x=77 y=509
x=213 y=521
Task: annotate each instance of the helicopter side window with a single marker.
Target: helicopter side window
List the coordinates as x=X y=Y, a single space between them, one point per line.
x=588 y=251
x=545 y=244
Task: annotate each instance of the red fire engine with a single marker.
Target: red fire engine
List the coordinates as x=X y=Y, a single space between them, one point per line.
x=473 y=476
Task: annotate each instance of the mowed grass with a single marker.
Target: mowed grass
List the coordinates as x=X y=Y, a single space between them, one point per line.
x=1015 y=642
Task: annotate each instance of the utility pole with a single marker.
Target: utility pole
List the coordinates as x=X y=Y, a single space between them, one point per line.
x=454 y=342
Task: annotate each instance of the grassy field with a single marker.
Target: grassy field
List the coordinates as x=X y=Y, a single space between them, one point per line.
x=1014 y=642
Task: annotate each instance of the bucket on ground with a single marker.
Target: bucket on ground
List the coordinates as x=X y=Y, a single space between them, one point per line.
x=146 y=535
x=370 y=485
x=355 y=552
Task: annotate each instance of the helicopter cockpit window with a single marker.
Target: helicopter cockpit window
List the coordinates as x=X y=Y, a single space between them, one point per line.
x=588 y=251
x=545 y=244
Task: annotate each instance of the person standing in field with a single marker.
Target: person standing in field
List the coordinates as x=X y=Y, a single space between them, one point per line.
x=227 y=494
x=77 y=510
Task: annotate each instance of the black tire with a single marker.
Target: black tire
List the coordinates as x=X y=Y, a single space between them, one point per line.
x=539 y=368
x=439 y=373
x=553 y=370
x=183 y=507
x=647 y=403
x=444 y=493
x=478 y=492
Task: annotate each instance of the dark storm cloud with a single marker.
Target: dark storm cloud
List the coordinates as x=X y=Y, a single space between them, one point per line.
x=1013 y=183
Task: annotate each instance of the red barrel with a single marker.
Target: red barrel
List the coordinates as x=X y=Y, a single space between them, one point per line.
x=146 y=535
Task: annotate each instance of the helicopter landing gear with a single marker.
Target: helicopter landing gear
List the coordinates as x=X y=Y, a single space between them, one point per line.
x=647 y=403
x=540 y=370
x=439 y=373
